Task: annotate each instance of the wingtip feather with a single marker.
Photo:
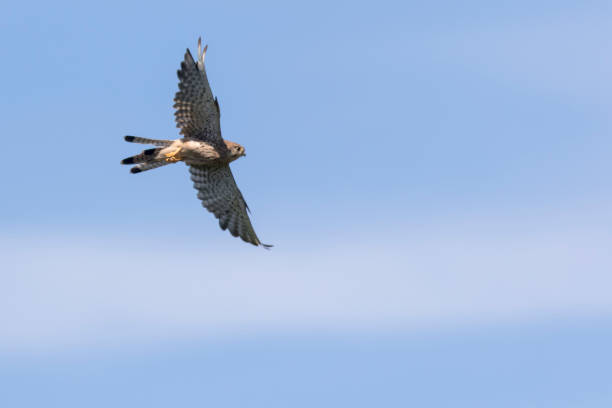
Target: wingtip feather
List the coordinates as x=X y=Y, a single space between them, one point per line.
x=201 y=53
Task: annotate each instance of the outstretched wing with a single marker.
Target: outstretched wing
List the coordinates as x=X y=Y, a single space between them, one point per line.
x=220 y=195
x=197 y=111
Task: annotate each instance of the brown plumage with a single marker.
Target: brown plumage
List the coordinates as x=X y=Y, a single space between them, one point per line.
x=203 y=149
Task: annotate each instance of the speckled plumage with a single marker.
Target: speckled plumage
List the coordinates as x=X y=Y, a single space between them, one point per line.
x=203 y=149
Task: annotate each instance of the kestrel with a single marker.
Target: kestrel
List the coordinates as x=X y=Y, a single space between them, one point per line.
x=202 y=148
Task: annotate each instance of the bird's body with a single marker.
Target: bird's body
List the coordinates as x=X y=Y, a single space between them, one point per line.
x=199 y=153
x=203 y=149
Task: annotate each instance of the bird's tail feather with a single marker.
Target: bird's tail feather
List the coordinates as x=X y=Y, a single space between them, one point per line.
x=144 y=156
x=144 y=140
x=148 y=166
x=146 y=160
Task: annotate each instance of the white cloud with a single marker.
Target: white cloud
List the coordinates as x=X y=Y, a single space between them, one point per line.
x=80 y=290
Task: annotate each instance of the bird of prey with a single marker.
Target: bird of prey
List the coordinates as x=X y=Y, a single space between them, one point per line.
x=202 y=148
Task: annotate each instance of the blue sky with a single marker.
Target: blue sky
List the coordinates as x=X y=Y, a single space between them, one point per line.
x=434 y=176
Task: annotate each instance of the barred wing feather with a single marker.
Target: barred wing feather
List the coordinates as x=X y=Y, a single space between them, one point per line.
x=197 y=111
x=220 y=195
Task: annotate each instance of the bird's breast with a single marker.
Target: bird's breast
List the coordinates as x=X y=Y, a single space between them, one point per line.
x=199 y=153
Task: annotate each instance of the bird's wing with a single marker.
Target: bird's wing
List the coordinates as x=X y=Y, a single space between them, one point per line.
x=197 y=111
x=220 y=195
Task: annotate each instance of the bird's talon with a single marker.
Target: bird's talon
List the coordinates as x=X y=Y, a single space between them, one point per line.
x=173 y=157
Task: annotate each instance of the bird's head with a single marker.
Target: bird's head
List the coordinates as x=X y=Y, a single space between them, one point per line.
x=235 y=150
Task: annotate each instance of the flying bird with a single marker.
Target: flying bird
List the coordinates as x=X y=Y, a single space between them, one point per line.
x=202 y=148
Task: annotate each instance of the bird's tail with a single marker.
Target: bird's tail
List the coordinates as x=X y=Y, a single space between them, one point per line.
x=148 y=159
x=144 y=140
x=148 y=166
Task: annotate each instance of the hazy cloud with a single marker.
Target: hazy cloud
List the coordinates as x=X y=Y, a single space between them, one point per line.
x=78 y=290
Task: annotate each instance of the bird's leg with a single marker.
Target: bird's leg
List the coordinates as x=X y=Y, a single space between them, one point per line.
x=173 y=156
